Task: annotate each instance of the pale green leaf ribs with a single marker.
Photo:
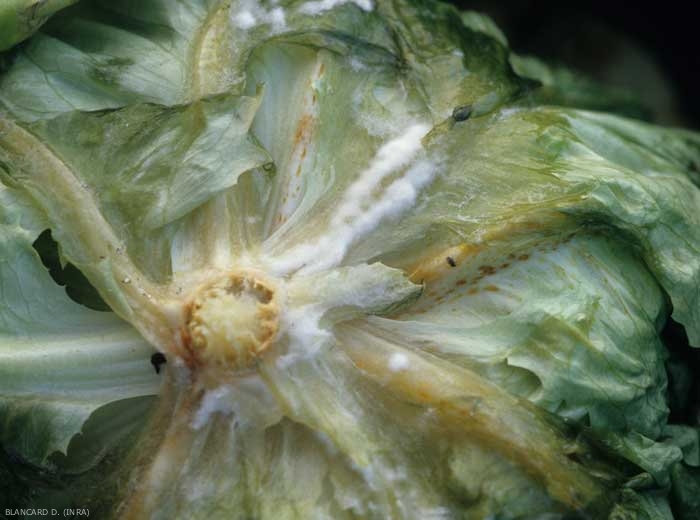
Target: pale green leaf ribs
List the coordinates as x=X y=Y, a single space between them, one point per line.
x=394 y=269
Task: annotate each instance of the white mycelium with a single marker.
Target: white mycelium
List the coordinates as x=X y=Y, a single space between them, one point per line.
x=360 y=210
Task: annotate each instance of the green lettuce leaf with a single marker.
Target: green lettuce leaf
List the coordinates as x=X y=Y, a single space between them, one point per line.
x=20 y=18
x=642 y=506
x=684 y=495
x=571 y=324
x=110 y=54
x=559 y=85
x=60 y=362
x=115 y=172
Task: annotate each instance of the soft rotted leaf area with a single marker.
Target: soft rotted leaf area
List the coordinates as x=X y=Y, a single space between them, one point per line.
x=358 y=260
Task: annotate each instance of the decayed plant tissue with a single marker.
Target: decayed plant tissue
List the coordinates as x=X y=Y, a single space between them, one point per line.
x=334 y=259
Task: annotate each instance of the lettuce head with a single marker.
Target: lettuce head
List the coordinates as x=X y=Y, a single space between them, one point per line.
x=335 y=259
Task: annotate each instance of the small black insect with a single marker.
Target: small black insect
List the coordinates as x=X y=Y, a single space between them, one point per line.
x=451 y=261
x=157 y=360
x=462 y=113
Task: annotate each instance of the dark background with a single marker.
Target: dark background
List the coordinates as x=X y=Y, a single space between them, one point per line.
x=651 y=48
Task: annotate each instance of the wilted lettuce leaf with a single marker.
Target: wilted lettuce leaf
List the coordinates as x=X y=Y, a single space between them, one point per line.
x=559 y=85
